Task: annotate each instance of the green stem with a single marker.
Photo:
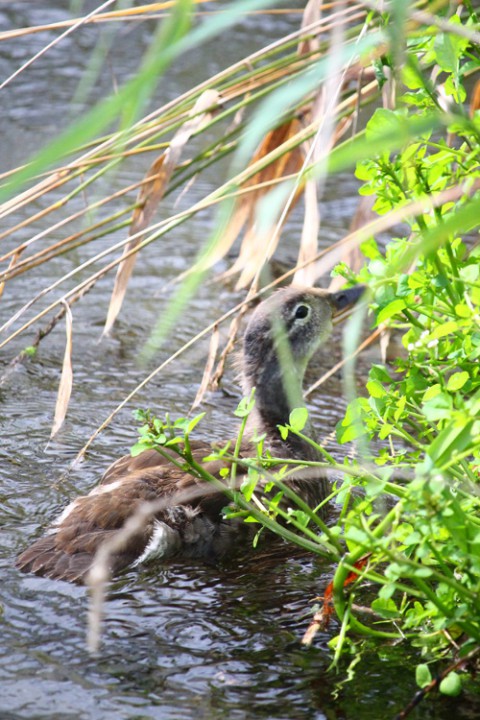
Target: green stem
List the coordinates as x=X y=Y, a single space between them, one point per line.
x=412 y=319
x=302 y=505
x=257 y=514
x=238 y=443
x=348 y=562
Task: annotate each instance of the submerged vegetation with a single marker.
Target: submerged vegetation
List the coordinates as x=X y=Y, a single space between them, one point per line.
x=405 y=540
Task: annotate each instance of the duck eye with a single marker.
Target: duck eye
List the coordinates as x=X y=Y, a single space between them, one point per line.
x=301 y=312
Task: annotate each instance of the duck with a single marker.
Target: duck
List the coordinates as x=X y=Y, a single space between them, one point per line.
x=283 y=333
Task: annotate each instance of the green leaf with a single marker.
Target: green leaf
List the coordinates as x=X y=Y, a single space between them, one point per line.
x=454 y=87
x=446 y=56
x=138 y=448
x=423 y=676
x=385 y=431
x=386 y=591
x=301 y=517
x=283 y=432
x=451 y=684
x=400 y=407
x=352 y=426
x=298 y=418
x=194 y=422
x=369 y=248
x=357 y=536
x=403 y=285
x=438 y=407
x=249 y=484
x=432 y=392
x=376 y=389
x=385 y=122
x=412 y=79
x=456 y=437
x=274 y=502
x=448 y=48
x=386 y=608
x=352 y=432
x=366 y=171
x=244 y=407
x=391 y=309
x=373 y=486
x=457 y=381
x=443 y=330
x=470 y=274
x=422 y=572
x=379 y=372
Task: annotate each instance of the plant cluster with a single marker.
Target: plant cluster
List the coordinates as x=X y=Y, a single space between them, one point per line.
x=409 y=507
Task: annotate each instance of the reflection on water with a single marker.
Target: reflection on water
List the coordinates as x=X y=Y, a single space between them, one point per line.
x=180 y=641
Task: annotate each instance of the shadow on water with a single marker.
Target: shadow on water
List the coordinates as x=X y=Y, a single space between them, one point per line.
x=181 y=641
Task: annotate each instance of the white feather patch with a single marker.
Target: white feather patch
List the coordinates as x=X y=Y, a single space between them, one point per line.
x=62 y=517
x=109 y=487
x=164 y=541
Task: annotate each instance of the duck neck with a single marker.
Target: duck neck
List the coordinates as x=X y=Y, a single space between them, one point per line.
x=276 y=394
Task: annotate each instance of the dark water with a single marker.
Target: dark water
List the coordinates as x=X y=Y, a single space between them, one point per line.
x=180 y=641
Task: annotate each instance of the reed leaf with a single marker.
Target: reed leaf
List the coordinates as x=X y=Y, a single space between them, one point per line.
x=152 y=192
x=66 y=380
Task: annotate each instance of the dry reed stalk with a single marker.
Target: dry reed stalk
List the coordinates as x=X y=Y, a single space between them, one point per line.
x=170 y=222
x=165 y=224
x=475 y=99
x=46 y=48
x=322 y=116
x=142 y=12
x=327 y=136
x=353 y=257
x=87 y=158
x=245 y=211
x=421 y=17
x=331 y=256
x=66 y=380
x=311 y=222
x=13 y=261
x=61 y=246
x=207 y=373
x=152 y=192
x=78 y=289
x=252 y=250
x=47 y=329
x=92 y=18
x=71 y=218
x=211 y=199
x=217 y=375
x=190 y=95
x=288 y=163
x=54 y=183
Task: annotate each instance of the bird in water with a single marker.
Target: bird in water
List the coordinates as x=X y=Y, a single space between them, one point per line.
x=283 y=333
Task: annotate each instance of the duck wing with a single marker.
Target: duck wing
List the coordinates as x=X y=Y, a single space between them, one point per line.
x=188 y=519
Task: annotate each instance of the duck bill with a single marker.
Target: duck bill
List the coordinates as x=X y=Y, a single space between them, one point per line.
x=344 y=300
